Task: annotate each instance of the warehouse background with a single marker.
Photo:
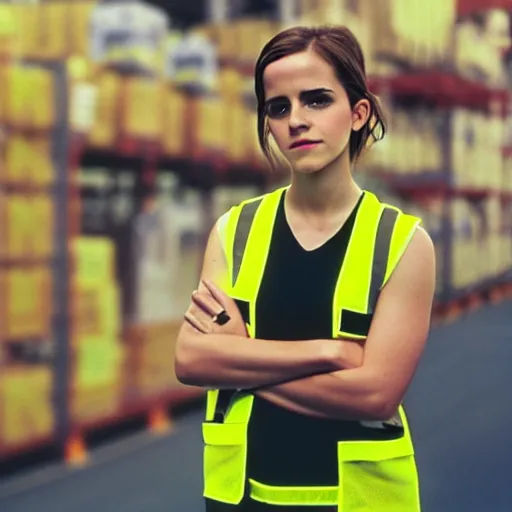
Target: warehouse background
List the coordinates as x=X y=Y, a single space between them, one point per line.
x=128 y=127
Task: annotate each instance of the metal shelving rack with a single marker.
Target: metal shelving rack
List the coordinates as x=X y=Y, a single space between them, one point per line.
x=55 y=350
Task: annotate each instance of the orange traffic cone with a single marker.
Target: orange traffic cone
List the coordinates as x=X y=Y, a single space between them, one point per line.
x=158 y=421
x=76 y=451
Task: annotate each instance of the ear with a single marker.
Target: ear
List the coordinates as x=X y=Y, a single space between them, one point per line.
x=360 y=114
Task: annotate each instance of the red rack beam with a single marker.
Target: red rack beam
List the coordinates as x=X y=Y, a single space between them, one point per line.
x=13 y=450
x=467 y=7
x=440 y=88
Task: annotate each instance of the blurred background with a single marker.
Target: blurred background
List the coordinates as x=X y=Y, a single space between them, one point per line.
x=128 y=127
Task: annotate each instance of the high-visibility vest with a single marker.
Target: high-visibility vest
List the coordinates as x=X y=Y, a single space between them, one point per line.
x=374 y=476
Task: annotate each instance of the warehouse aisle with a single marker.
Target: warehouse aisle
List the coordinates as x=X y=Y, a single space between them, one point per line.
x=459 y=409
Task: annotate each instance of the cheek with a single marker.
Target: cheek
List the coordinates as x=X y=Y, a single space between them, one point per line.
x=337 y=125
x=279 y=131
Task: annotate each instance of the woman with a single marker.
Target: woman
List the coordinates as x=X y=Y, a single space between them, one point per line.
x=313 y=308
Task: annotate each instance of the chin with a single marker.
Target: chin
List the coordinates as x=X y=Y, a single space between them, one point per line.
x=312 y=164
x=308 y=167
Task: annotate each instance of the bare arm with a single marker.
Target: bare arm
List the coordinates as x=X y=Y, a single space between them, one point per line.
x=228 y=361
x=395 y=343
x=235 y=361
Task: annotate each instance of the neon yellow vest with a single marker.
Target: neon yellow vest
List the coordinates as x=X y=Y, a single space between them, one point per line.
x=374 y=476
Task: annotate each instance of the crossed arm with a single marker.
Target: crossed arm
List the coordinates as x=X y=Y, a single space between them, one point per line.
x=323 y=378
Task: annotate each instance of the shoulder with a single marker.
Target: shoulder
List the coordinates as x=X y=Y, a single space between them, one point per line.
x=421 y=248
x=416 y=265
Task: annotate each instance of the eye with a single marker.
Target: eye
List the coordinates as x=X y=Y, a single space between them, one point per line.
x=277 y=109
x=318 y=101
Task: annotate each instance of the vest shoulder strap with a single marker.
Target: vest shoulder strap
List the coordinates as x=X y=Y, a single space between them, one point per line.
x=399 y=237
x=234 y=229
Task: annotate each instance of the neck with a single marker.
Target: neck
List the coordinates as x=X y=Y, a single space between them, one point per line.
x=328 y=191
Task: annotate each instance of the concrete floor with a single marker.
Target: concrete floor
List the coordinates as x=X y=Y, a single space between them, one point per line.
x=459 y=408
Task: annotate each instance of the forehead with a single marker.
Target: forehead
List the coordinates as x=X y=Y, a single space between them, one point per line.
x=297 y=72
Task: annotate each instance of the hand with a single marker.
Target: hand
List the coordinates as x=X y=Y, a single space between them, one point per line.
x=210 y=301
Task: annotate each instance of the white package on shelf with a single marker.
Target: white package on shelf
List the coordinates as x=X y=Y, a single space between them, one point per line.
x=128 y=33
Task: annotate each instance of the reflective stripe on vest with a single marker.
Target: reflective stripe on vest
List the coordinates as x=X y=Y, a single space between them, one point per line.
x=379 y=238
x=293 y=495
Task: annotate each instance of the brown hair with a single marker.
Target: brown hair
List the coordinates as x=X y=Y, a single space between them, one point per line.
x=339 y=47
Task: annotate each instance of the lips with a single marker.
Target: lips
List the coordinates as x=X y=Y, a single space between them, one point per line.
x=304 y=143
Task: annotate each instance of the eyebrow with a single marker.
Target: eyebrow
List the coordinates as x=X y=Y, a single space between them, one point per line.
x=304 y=93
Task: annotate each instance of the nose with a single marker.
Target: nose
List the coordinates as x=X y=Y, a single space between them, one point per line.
x=297 y=122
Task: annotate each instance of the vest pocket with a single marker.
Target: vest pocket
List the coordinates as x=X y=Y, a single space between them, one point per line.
x=355 y=323
x=224 y=461
x=378 y=475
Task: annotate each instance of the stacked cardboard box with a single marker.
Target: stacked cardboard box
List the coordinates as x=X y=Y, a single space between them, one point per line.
x=105 y=127
x=26 y=226
x=25 y=303
x=152 y=359
x=50 y=30
x=98 y=355
x=402 y=30
x=175 y=108
x=26 y=412
x=141 y=109
x=413 y=145
x=476 y=142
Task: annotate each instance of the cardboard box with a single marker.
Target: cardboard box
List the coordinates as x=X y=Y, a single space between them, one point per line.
x=97 y=362
x=97 y=314
x=94 y=259
x=15 y=226
x=108 y=103
x=29 y=23
x=54 y=20
x=42 y=104
x=142 y=108
x=26 y=411
x=9 y=31
x=79 y=19
x=26 y=303
x=39 y=161
x=174 y=122
x=96 y=403
x=42 y=233
x=210 y=128
x=151 y=360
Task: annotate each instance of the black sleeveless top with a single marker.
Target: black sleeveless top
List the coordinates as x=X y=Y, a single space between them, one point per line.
x=295 y=303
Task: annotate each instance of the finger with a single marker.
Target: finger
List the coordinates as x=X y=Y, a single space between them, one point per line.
x=207 y=303
x=190 y=327
x=196 y=323
x=200 y=314
x=224 y=300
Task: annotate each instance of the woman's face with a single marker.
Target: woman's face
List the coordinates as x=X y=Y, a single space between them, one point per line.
x=308 y=111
